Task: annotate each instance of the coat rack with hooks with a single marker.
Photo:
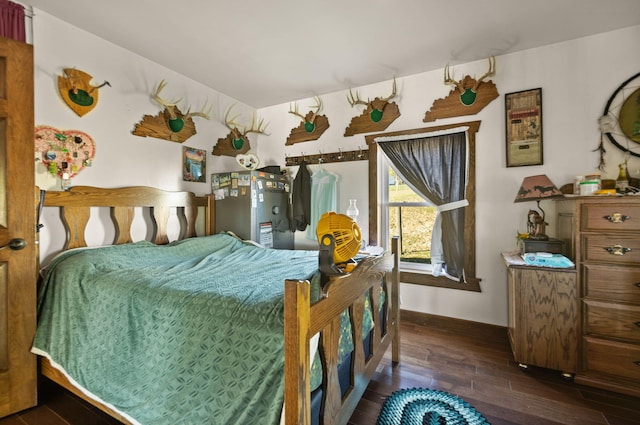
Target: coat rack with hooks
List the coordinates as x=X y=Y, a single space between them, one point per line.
x=324 y=158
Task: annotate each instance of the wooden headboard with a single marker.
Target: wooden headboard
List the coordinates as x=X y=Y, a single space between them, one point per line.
x=75 y=205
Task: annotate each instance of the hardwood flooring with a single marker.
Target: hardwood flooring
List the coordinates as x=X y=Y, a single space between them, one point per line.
x=471 y=360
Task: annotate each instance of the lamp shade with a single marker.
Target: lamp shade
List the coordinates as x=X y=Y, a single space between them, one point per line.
x=536 y=188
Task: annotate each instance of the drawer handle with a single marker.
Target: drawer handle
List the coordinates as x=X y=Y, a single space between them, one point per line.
x=617 y=218
x=637 y=324
x=617 y=249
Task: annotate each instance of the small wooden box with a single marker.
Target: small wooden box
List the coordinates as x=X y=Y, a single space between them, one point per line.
x=552 y=246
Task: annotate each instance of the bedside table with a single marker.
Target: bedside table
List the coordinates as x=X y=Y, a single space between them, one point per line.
x=543 y=315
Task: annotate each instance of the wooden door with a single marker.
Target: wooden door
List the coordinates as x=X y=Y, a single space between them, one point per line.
x=17 y=228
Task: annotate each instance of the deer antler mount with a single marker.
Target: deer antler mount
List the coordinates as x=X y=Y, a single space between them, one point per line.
x=311 y=127
x=467 y=97
x=169 y=124
x=237 y=142
x=377 y=116
x=77 y=92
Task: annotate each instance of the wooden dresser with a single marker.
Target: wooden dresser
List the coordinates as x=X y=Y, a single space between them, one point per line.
x=606 y=240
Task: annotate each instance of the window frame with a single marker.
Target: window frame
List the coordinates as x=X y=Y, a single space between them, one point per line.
x=426 y=279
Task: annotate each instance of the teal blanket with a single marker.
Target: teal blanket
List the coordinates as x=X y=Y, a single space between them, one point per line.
x=204 y=347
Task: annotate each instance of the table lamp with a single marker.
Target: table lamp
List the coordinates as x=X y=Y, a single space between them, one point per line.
x=536 y=188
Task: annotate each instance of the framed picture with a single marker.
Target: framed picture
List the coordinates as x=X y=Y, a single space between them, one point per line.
x=523 y=118
x=194 y=165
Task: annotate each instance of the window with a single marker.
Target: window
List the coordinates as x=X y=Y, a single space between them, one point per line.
x=392 y=213
x=405 y=213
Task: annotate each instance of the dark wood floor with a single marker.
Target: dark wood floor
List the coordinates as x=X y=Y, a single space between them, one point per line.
x=471 y=360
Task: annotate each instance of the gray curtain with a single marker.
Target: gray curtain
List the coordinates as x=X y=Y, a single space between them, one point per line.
x=435 y=167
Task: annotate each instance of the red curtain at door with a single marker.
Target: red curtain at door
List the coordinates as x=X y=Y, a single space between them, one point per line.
x=12 y=20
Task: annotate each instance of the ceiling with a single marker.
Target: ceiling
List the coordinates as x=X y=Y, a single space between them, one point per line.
x=269 y=52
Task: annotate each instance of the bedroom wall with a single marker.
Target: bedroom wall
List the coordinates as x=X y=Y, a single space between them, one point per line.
x=121 y=158
x=577 y=78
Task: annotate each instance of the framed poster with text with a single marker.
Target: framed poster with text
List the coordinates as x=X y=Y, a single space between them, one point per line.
x=523 y=118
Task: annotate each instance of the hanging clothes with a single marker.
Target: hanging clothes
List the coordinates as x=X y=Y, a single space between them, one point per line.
x=301 y=199
x=324 y=198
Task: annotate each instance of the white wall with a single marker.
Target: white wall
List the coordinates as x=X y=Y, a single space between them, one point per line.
x=121 y=159
x=576 y=77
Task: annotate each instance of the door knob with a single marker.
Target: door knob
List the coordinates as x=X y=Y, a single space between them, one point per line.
x=15 y=244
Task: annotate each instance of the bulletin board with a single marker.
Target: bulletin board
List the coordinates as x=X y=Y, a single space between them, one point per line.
x=63 y=151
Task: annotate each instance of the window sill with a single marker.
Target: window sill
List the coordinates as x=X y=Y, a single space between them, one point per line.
x=426 y=279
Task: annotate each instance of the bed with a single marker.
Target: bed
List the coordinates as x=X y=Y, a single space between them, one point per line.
x=287 y=311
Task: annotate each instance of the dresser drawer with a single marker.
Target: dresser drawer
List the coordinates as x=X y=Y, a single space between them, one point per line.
x=620 y=321
x=612 y=358
x=610 y=248
x=615 y=283
x=610 y=216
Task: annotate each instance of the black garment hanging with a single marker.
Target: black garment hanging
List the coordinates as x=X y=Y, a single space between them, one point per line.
x=301 y=199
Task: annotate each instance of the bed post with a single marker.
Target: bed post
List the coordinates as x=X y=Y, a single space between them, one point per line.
x=395 y=300
x=297 y=395
x=210 y=216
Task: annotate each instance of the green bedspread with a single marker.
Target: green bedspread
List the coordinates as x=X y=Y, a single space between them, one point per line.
x=205 y=347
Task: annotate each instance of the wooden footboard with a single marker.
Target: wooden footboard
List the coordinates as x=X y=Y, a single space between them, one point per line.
x=304 y=320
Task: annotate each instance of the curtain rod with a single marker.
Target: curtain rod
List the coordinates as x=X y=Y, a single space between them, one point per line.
x=422 y=135
x=28 y=9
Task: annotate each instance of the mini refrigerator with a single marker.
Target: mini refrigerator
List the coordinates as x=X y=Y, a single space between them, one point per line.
x=254 y=205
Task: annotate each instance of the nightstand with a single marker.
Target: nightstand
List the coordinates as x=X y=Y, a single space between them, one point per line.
x=543 y=315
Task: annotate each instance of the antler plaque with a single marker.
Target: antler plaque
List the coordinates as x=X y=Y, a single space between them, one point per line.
x=311 y=127
x=468 y=97
x=378 y=115
x=237 y=142
x=77 y=92
x=170 y=124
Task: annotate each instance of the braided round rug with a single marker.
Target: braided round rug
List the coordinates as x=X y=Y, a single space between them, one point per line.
x=421 y=406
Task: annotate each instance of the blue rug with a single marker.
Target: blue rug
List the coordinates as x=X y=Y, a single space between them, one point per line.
x=420 y=406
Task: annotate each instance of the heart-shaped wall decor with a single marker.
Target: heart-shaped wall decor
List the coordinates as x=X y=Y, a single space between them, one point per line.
x=249 y=161
x=63 y=151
